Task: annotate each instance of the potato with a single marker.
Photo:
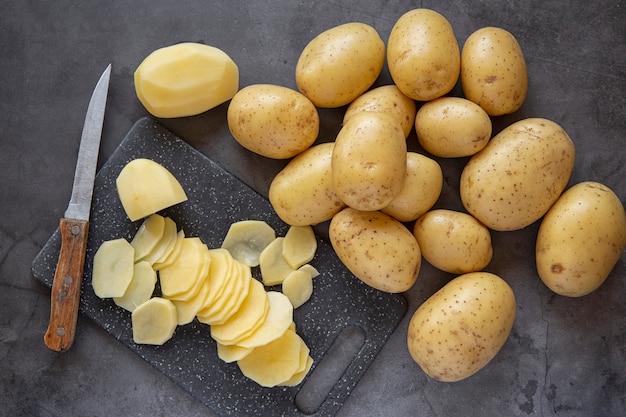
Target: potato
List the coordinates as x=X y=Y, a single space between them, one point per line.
x=460 y=329
x=580 y=239
x=154 y=321
x=452 y=127
x=369 y=161
x=165 y=244
x=273 y=121
x=423 y=55
x=113 y=268
x=385 y=99
x=140 y=288
x=493 y=71
x=376 y=248
x=182 y=279
x=145 y=187
x=279 y=318
x=185 y=79
x=246 y=239
x=148 y=236
x=453 y=241
x=340 y=64
x=299 y=246
x=302 y=193
x=421 y=190
x=273 y=265
x=298 y=287
x=521 y=172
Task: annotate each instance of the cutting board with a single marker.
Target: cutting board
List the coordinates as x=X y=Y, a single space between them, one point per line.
x=345 y=323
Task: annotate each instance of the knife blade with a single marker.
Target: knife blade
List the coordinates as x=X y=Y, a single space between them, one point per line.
x=74 y=226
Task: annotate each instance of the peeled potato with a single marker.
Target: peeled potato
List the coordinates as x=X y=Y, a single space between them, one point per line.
x=113 y=268
x=145 y=187
x=274 y=266
x=154 y=321
x=299 y=246
x=278 y=320
x=186 y=310
x=140 y=288
x=246 y=239
x=298 y=377
x=298 y=287
x=165 y=244
x=181 y=280
x=148 y=236
x=231 y=353
x=173 y=253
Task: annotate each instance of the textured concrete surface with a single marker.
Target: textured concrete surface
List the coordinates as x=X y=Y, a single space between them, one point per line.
x=565 y=357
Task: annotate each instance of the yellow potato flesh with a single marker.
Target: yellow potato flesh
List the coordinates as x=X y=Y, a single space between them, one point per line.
x=235 y=291
x=187 y=310
x=298 y=377
x=279 y=318
x=246 y=239
x=148 y=236
x=217 y=277
x=154 y=321
x=232 y=353
x=181 y=279
x=165 y=244
x=299 y=246
x=140 y=288
x=185 y=79
x=113 y=268
x=274 y=266
x=298 y=287
x=173 y=253
x=145 y=187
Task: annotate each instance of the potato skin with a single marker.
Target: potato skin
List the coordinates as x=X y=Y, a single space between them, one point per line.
x=273 y=121
x=453 y=241
x=423 y=55
x=376 y=248
x=580 y=239
x=302 y=193
x=460 y=329
x=521 y=172
x=493 y=71
x=340 y=64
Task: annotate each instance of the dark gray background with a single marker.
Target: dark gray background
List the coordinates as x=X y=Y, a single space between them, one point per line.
x=564 y=357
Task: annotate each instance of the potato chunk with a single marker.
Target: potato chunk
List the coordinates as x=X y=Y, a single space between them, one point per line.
x=113 y=268
x=154 y=321
x=245 y=240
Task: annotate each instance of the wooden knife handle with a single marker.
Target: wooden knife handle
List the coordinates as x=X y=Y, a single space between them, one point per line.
x=66 y=286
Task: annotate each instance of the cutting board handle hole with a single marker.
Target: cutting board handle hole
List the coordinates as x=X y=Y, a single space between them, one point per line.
x=330 y=369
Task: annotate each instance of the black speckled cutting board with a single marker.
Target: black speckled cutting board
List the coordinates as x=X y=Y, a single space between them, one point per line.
x=217 y=199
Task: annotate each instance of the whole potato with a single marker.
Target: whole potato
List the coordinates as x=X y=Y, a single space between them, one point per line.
x=521 y=172
x=460 y=329
x=421 y=190
x=302 y=193
x=423 y=55
x=385 y=99
x=376 y=248
x=452 y=127
x=340 y=64
x=493 y=71
x=369 y=161
x=453 y=241
x=274 y=121
x=580 y=239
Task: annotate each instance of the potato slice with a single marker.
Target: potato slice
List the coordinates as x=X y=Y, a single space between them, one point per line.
x=186 y=310
x=221 y=262
x=145 y=187
x=232 y=353
x=174 y=253
x=275 y=362
x=235 y=291
x=298 y=377
x=182 y=279
x=299 y=246
x=279 y=318
x=140 y=288
x=298 y=287
x=311 y=269
x=245 y=240
x=148 y=236
x=154 y=321
x=166 y=243
x=113 y=268
x=247 y=320
x=274 y=266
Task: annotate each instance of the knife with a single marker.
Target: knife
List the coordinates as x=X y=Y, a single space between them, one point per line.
x=74 y=227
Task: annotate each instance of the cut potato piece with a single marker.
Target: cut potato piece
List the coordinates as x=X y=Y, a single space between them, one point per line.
x=140 y=288
x=247 y=320
x=174 y=253
x=311 y=269
x=299 y=246
x=217 y=276
x=279 y=318
x=235 y=291
x=245 y=240
x=165 y=245
x=113 y=268
x=145 y=187
x=154 y=321
x=298 y=287
x=185 y=79
x=274 y=266
x=298 y=377
x=148 y=236
x=275 y=362
x=232 y=353
x=186 y=310
x=182 y=279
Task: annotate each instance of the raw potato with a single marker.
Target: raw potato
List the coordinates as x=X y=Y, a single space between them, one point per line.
x=140 y=288
x=452 y=127
x=423 y=55
x=173 y=253
x=493 y=71
x=521 y=172
x=580 y=239
x=302 y=193
x=182 y=279
x=232 y=353
x=154 y=321
x=274 y=121
x=376 y=248
x=453 y=241
x=113 y=268
x=298 y=287
x=279 y=318
x=185 y=79
x=340 y=64
x=299 y=246
x=369 y=161
x=246 y=239
x=148 y=236
x=461 y=328
x=145 y=187
x=385 y=99
x=421 y=190
x=165 y=245
x=274 y=266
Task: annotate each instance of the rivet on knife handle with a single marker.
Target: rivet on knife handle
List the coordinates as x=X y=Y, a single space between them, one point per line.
x=66 y=285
